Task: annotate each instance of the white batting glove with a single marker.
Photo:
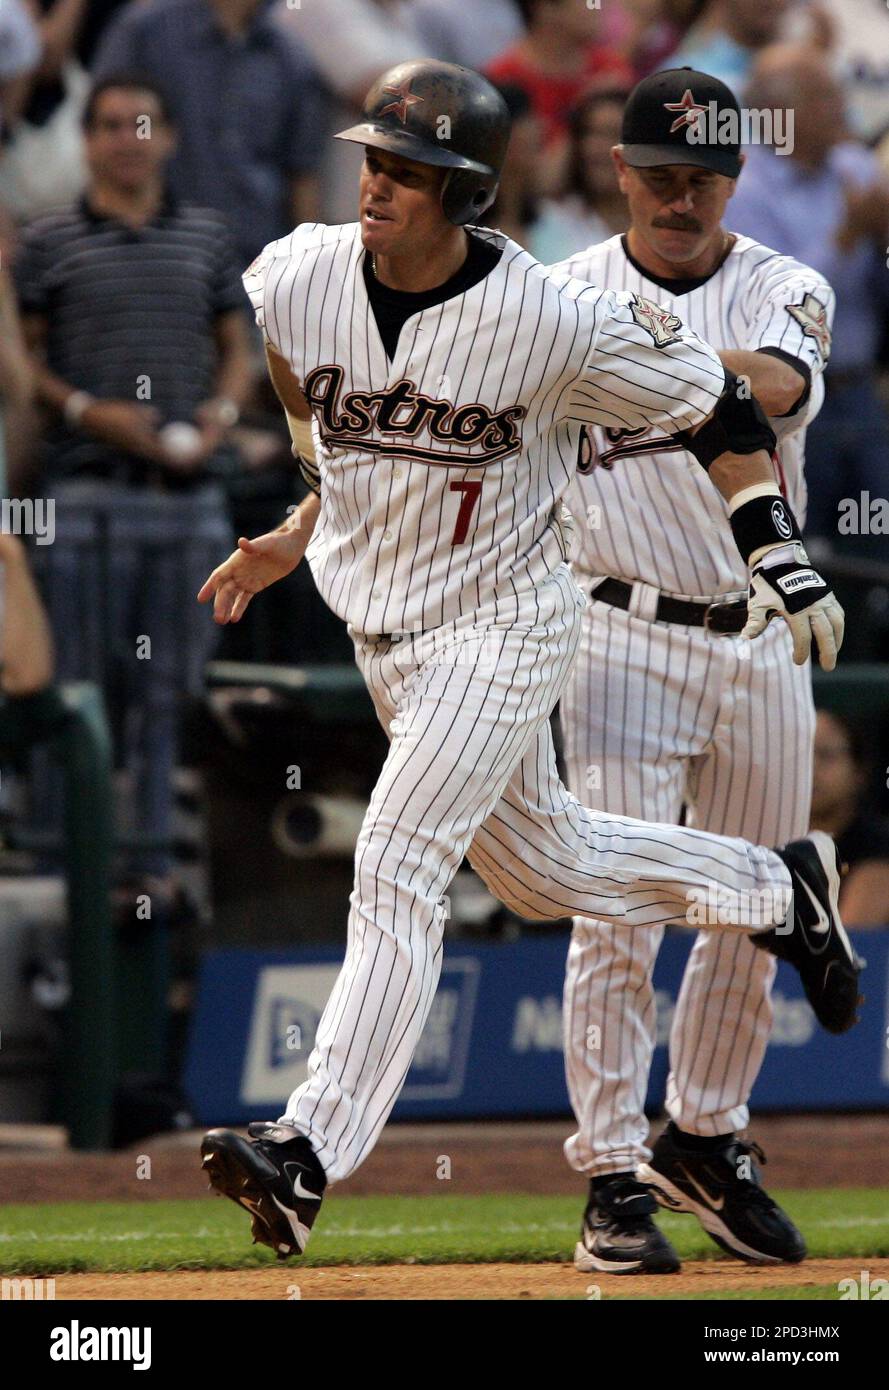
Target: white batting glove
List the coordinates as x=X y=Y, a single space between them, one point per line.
x=783 y=584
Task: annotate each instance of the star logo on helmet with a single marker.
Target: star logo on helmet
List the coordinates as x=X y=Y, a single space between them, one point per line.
x=691 y=111
x=811 y=316
x=406 y=98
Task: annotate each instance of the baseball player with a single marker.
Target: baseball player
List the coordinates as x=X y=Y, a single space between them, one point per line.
x=669 y=706
x=446 y=377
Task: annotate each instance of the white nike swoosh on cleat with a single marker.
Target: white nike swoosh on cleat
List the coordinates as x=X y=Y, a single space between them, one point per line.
x=822 y=922
x=301 y=1191
x=300 y=1231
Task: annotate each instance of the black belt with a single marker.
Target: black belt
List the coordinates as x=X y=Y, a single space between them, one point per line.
x=728 y=617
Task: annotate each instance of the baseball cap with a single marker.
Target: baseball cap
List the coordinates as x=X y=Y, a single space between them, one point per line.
x=662 y=108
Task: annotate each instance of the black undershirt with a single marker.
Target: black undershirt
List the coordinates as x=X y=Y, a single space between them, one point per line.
x=393 y=308
x=676 y=285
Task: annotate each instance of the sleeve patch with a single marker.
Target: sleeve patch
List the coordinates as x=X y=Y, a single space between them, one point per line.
x=811 y=315
x=656 y=321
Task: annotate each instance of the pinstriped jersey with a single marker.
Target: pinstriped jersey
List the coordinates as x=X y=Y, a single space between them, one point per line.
x=643 y=506
x=442 y=470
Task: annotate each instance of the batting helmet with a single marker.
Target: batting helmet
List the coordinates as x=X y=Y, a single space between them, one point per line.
x=442 y=114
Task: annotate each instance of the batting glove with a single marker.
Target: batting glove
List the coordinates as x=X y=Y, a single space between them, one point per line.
x=783 y=584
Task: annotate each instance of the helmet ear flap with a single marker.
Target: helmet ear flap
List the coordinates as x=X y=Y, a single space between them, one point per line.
x=466 y=195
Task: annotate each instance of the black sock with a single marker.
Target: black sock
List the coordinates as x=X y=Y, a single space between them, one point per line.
x=602 y=1179
x=700 y=1143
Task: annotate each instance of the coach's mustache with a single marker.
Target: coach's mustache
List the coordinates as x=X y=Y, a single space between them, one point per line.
x=678 y=224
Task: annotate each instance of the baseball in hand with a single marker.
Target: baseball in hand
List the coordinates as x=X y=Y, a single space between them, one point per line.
x=181 y=440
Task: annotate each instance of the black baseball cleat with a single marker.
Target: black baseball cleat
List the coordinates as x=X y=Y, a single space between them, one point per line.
x=618 y=1235
x=721 y=1187
x=275 y=1176
x=817 y=944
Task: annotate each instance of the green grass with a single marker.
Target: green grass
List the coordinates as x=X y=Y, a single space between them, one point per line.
x=211 y=1233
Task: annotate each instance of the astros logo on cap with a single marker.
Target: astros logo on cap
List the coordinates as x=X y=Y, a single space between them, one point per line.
x=691 y=110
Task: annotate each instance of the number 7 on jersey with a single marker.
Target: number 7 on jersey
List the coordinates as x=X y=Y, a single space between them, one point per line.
x=470 y=490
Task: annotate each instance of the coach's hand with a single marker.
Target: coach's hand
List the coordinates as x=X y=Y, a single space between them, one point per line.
x=251 y=568
x=783 y=584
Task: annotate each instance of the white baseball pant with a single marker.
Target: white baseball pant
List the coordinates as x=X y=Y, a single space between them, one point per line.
x=471 y=768
x=655 y=715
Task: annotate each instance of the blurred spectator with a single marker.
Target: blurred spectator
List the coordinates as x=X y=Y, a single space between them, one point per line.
x=514 y=210
x=19 y=56
x=727 y=37
x=827 y=204
x=350 y=42
x=18 y=416
x=16 y=381
x=26 y=662
x=99 y=14
x=593 y=207
x=44 y=165
x=655 y=28
x=468 y=34
x=247 y=104
x=855 y=36
x=132 y=307
x=554 y=62
x=839 y=806
x=59 y=22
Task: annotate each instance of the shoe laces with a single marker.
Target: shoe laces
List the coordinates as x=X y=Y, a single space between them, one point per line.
x=628 y=1202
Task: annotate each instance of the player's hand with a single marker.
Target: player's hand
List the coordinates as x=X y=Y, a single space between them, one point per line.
x=126 y=425
x=783 y=584
x=251 y=568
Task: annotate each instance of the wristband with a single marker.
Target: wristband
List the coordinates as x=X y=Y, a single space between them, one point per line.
x=311 y=474
x=738 y=425
x=301 y=434
x=75 y=407
x=762 y=521
x=303 y=451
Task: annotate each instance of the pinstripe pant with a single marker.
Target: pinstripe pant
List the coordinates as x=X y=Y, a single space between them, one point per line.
x=655 y=715
x=471 y=768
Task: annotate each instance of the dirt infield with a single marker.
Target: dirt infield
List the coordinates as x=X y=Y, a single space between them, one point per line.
x=803 y=1151
x=495 y=1281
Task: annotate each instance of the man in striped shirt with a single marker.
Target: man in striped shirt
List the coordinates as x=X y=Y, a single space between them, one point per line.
x=669 y=706
x=133 y=312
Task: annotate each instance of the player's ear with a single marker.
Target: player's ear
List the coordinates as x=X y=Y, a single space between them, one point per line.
x=734 y=181
x=620 y=166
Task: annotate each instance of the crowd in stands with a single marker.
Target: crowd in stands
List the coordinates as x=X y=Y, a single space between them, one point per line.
x=150 y=148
